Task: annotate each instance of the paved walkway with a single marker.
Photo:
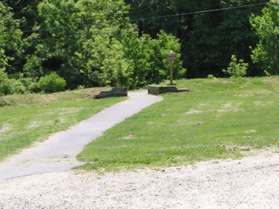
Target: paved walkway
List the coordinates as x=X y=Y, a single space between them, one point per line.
x=59 y=152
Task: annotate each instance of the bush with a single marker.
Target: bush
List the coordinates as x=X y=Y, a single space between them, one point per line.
x=30 y=85
x=266 y=26
x=4 y=83
x=49 y=83
x=16 y=87
x=237 y=67
x=52 y=83
x=10 y=86
x=210 y=76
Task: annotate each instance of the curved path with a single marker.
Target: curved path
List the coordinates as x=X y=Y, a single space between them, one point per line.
x=59 y=152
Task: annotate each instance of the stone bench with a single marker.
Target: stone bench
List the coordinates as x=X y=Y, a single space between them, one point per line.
x=158 y=89
x=114 y=92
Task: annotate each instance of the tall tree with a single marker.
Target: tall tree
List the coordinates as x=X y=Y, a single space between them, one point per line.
x=266 y=25
x=91 y=42
x=218 y=35
x=69 y=35
x=10 y=39
x=209 y=39
x=26 y=11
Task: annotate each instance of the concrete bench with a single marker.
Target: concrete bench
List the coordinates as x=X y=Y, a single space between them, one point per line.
x=157 y=89
x=114 y=92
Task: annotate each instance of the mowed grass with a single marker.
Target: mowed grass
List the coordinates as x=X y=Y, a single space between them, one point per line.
x=31 y=118
x=219 y=118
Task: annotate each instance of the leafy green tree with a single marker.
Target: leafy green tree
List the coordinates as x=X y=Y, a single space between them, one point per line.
x=266 y=53
x=92 y=42
x=10 y=39
x=208 y=39
x=37 y=36
x=26 y=11
x=148 y=57
x=72 y=32
x=138 y=51
x=165 y=44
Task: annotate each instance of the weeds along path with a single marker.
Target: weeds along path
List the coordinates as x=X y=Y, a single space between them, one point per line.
x=59 y=152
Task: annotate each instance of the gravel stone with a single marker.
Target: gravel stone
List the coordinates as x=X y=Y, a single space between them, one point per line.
x=249 y=183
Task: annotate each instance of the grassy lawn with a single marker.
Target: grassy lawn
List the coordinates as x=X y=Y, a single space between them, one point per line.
x=31 y=118
x=219 y=118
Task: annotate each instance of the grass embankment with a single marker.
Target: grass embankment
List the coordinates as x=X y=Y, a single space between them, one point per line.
x=219 y=118
x=29 y=118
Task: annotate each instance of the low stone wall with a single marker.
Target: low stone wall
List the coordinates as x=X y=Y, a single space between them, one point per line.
x=157 y=90
x=114 y=92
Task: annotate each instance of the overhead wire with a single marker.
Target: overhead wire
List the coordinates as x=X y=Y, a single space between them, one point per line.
x=204 y=11
x=186 y=13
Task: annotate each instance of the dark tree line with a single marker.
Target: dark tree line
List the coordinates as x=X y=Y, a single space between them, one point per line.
x=126 y=42
x=208 y=39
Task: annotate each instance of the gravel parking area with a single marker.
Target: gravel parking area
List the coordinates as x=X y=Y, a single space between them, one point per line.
x=252 y=182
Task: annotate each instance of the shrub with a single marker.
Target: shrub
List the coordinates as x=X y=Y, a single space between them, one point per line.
x=10 y=86
x=266 y=26
x=4 y=83
x=210 y=76
x=237 y=67
x=52 y=83
x=30 y=85
x=16 y=87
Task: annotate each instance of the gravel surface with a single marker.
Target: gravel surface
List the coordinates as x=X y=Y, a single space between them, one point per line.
x=58 y=153
x=250 y=183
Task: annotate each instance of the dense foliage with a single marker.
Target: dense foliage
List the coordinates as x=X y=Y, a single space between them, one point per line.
x=209 y=39
x=10 y=39
x=126 y=42
x=92 y=43
x=51 y=83
x=237 y=67
x=267 y=28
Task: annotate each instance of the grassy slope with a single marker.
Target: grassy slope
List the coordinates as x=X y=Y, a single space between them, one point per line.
x=31 y=118
x=217 y=119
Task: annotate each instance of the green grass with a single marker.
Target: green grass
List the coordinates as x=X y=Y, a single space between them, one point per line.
x=219 y=118
x=30 y=118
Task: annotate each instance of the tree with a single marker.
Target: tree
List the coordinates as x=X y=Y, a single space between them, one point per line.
x=148 y=57
x=10 y=39
x=266 y=53
x=92 y=42
x=208 y=39
x=70 y=34
x=26 y=11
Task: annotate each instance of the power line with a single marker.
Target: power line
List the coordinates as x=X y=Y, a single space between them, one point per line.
x=187 y=13
x=204 y=11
